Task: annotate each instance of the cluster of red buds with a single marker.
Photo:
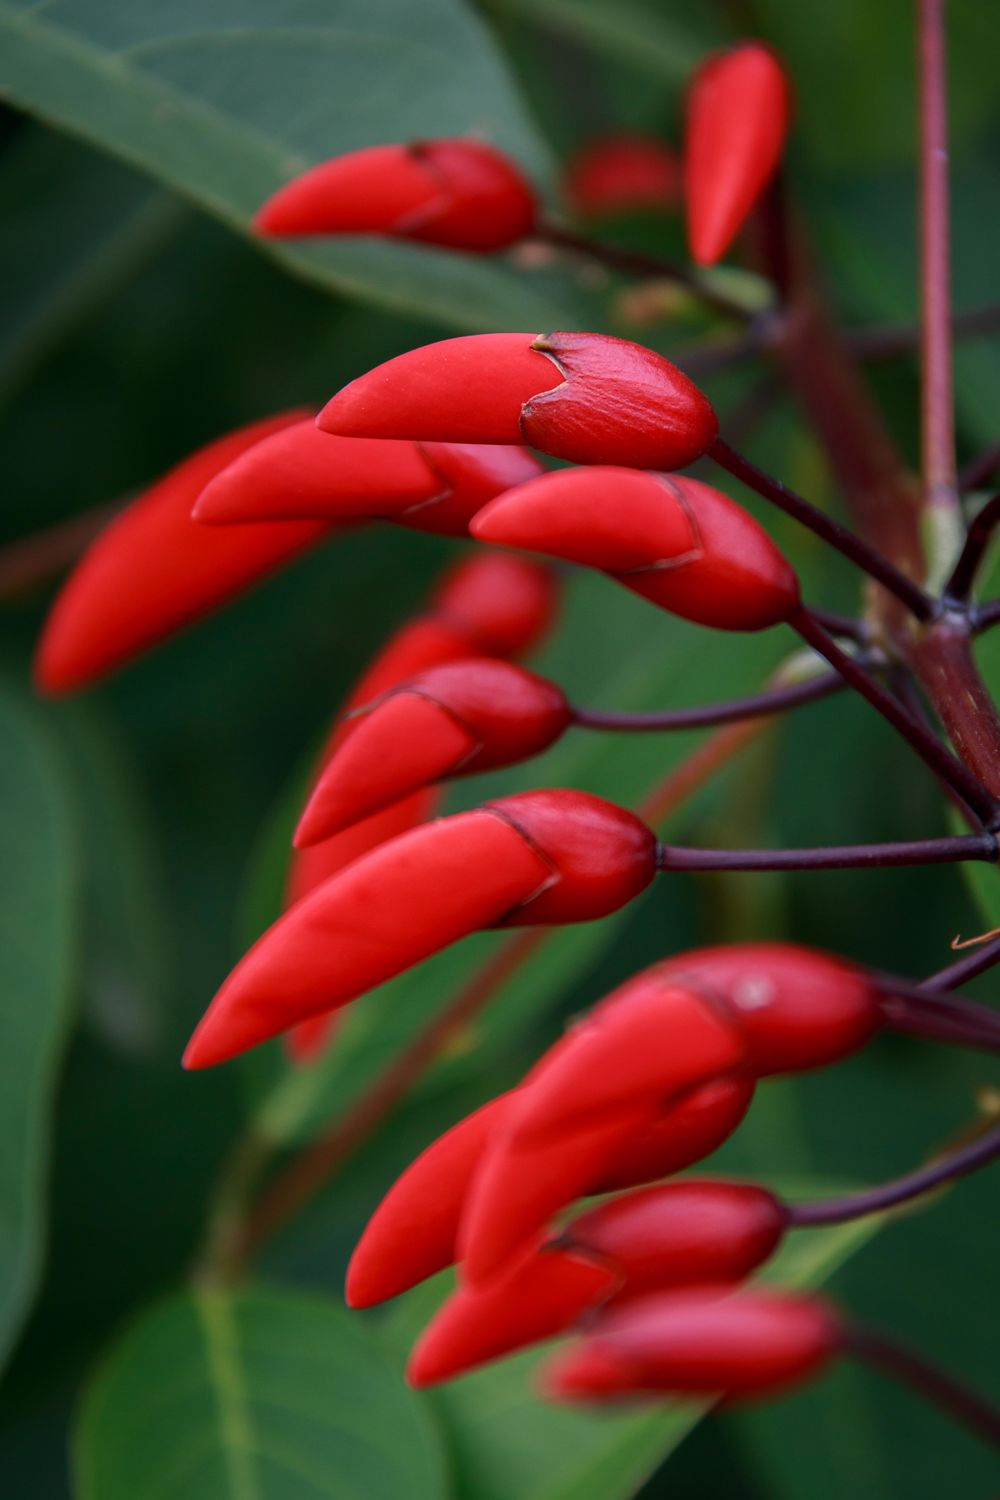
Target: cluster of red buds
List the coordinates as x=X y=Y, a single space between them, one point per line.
x=663 y=1070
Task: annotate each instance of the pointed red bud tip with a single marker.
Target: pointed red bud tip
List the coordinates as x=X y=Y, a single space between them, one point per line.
x=506 y=604
x=688 y=1132
x=541 y=857
x=586 y=397
x=623 y=173
x=797 y=1007
x=412 y=1233
x=677 y=542
x=152 y=570
x=457 y=193
x=451 y=720
x=681 y=1233
x=703 y=1340
x=738 y=109
x=304 y=474
x=543 y=1297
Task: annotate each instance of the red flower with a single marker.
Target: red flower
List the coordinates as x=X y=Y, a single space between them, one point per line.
x=619 y=173
x=459 y=193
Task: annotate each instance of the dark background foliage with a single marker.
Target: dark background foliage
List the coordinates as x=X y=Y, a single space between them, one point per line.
x=145 y=824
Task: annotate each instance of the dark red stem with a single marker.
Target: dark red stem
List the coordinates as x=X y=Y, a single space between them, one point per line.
x=776 y=700
x=901 y=1364
x=970 y=559
x=833 y=856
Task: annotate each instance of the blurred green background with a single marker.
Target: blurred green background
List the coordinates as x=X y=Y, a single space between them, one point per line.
x=146 y=823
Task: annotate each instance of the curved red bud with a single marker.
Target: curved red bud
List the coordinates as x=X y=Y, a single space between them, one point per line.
x=386 y=912
x=679 y=543
x=506 y=603
x=311 y=867
x=463 y=194
x=688 y=1132
x=152 y=570
x=304 y=474
x=702 y=1340
x=797 y=1007
x=622 y=173
x=541 y=1299
x=587 y=397
x=411 y=1234
x=681 y=1233
x=738 y=109
x=457 y=719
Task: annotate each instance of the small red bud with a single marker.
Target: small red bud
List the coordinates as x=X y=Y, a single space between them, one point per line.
x=453 y=720
x=738 y=109
x=679 y=543
x=506 y=604
x=587 y=397
x=700 y=1340
x=458 y=193
x=798 y=1008
x=540 y=857
x=301 y=473
x=152 y=570
x=686 y=1133
x=622 y=173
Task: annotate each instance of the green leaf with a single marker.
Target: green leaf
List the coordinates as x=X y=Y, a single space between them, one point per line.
x=262 y=1396
x=612 y=651
x=644 y=37
x=508 y=1442
x=75 y=227
x=37 y=900
x=224 y=105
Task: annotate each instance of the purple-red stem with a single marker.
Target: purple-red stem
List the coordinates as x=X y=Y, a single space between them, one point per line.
x=777 y=700
x=877 y=1349
x=833 y=856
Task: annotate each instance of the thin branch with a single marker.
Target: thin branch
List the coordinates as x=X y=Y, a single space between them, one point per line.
x=979 y=469
x=938 y=422
x=833 y=857
x=852 y=546
x=895 y=340
x=901 y=1364
x=971 y=557
x=776 y=700
x=947 y=1167
x=930 y=749
x=964 y=969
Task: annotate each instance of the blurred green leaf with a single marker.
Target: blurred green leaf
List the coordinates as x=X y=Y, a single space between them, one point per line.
x=223 y=105
x=647 y=37
x=262 y=1396
x=37 y=911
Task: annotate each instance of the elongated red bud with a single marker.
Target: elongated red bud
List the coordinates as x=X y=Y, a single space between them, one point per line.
x=797 y=1007
x=679 y=543
x=622 y=173
x=452 y=720
x=541 y=1299
x=700 y=1340
x=680 y=1234
x=506 y=604
x=413 y=1232
x=303 y=474
x=463 y=194
x=587 y=397
x=152 y=570
x=738 y=108
x=540 y=857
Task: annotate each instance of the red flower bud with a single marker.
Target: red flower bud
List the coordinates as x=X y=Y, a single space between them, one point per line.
x=463 y=194
x=542 y=1298
x=452 y=720
x=620 y=173
x=619 y=1068
x=703 y=1339
x=683 y=1233
x=677 y=542
x=304 y=474
x=505 y=603
x=413 y=1232
x=738 y=108
x=797 y=1008
x=587 y=397
x=540 y=857
x=152 y=570
x=680 y=1234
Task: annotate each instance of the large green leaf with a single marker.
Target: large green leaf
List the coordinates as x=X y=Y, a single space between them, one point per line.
x=262 y=1396
x=612 y=651
x=37 y=890
x=223 y=103
x=645 y=37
